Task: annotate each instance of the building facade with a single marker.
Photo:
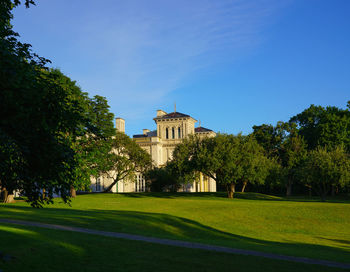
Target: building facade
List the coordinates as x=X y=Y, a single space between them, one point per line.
x=171 y=129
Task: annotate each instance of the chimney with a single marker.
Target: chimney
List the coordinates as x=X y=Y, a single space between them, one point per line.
x=145 y=131
x=120 y=124
x=160 y=113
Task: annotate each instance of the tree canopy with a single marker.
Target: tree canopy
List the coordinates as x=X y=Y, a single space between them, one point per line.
x=228 y=159
x=328 y=126
x=48 y=117
x=124 y=160
x=325 y=168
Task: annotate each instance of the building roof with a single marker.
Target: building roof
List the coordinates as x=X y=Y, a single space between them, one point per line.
x=173 y=115
x=148 y=134
x=202 y=129
x=139 y=136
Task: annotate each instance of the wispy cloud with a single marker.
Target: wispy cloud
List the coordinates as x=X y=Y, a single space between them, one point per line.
x=143 y=50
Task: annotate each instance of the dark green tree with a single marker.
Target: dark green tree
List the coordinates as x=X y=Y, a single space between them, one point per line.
x=328 y=126
x=93 y=148
x=325 y=168
x=43 y=117
x=284 y=146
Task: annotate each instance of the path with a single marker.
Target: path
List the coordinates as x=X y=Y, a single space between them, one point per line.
x=180 y=243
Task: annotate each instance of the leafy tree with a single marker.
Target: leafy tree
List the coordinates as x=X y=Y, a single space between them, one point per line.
x=228 y=159
x=126 y=158
x=45 y=113
x=93 y=148
x=270 y=138
x=325 y=168
x=328 y=126
x=291 y=154
x=162 y=179
x=181 y=166
x=255 y=165
x=283 y=145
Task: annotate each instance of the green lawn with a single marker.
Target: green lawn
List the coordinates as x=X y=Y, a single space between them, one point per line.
x=298 y=227
x=35 y=249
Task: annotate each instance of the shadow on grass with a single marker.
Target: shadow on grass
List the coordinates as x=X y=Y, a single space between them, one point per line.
x=39 y=249
x=238 y=195
x=170 y=227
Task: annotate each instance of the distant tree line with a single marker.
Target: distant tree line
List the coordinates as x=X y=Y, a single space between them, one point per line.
x=308 y=154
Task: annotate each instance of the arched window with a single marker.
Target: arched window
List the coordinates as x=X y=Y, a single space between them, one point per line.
x=167 y=133
x=173 y=130
x=179 y=133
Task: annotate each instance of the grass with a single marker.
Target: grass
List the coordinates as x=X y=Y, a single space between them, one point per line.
x=298 y=227
x=35 y=249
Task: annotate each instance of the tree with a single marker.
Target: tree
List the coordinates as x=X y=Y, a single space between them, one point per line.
x=125 y=159
x=254 y=163
x=283 y=145
x=182 y=166
x=325 y=168
x=43 y=117
x=270 y=138
x=228 y=159
x=93 y=147
x=291 y=154
x=328 y=126
x=160 y=179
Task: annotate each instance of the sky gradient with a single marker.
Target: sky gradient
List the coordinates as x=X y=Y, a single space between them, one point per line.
x=231 y=64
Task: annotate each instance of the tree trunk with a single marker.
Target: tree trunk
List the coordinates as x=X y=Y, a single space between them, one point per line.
x=244 y=185
x=289 y=187
x=230 y=190
x=6 y=196
x=73 y=192
x=334 y=190
x=289 y=190
x=109 y=188
x=10 y=198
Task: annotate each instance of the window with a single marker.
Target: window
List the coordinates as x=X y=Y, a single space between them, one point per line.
x=173 y=130
x=179 y=132
x=137 y=183
x=166 y=133
x=98 y=184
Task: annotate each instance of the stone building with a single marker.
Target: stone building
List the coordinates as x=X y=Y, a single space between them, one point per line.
x=171 y=129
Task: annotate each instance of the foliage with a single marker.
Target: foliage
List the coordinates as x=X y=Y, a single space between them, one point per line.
x=270 y=138
x=47 y=145
x=124 y=160
x=325 y=168
x=227 y=159
x=162 y=179
x=328 y=126
x=286 y=149
x=92 y=149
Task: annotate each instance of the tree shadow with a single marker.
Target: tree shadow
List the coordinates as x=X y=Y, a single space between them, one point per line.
x=39 y=249
x=170 y=227
x=346 y=242
x=237 y=195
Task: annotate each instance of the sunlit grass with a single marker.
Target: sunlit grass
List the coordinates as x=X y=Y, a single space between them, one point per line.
x=300 y=227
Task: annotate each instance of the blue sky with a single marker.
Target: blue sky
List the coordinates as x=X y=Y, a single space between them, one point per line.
x=231 y=64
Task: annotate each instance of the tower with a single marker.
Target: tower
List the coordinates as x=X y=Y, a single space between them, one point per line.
x=120 y=124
